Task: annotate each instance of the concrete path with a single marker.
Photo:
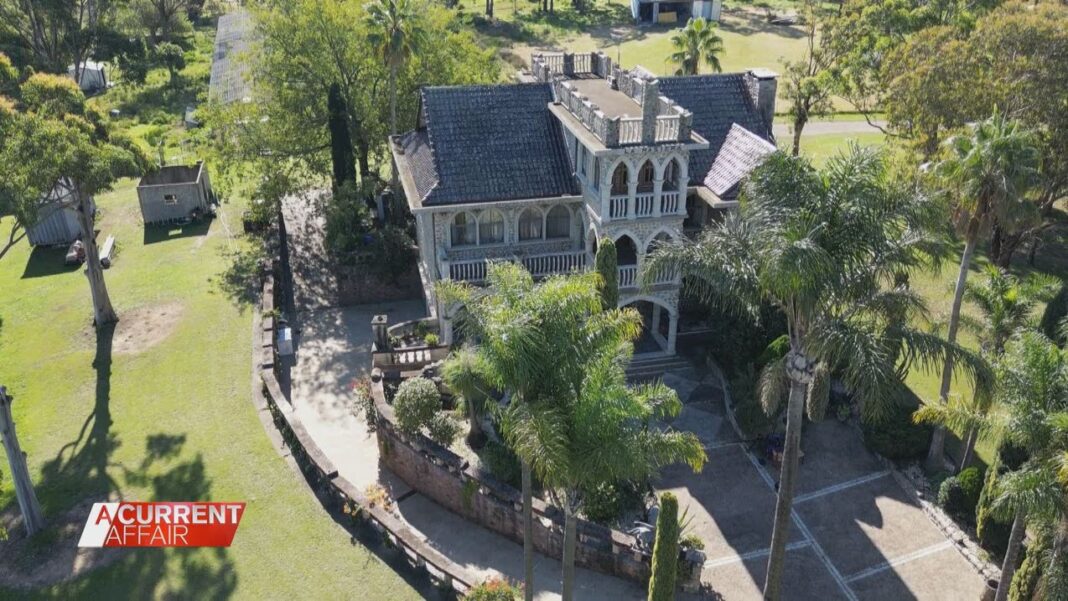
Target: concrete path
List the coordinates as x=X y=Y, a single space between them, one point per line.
x=818 y=128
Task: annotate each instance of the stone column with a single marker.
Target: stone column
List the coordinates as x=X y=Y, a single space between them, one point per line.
x=632 y=189
x=650 y=110
x=655 y=326
x=673 y=331
x=658 y=189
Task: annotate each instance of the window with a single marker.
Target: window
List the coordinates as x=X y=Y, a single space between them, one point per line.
x=558 y=223
x=463 y=230
x=491 y=228
x=530 y=225
x=619 y=180
x=671 y=175
x=170 y=199
x=645 y=177
x=582 y=159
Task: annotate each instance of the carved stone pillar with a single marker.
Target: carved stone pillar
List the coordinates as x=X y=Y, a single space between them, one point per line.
x=673 y=331
x=658 y=188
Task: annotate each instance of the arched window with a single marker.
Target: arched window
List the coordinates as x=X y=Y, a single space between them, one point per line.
x=660 y=239
x=463 y=230
x=619 y=180
x=645 y=177
x=530 y=224
x=491 y=228
x=558 y=223
x=671 y=175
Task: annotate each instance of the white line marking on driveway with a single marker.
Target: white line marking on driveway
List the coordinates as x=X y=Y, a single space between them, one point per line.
x=903 y=559
x=723 y=561
x=840 y=487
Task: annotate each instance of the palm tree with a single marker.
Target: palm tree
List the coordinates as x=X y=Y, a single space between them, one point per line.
x=696 y=42
x=605 y=433
x=824 y=248
x=396 y=31
x=986 y=174
x=528 y=340
x=465 y=373
x=1006 y=304
x=1032 y=391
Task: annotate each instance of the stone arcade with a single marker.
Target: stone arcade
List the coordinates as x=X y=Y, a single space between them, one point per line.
x=538 y=171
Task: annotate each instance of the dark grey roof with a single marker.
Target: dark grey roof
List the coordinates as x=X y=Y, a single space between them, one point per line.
x=741 y=152
x=717 y=102
x=487 y=143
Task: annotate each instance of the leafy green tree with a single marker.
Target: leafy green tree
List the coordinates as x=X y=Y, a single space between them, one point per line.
x=665 y=550
x=52 y=147
x=810 y=81
x=466 y=374
x=162 y=20
x=172 y=57
x=695 y=43
x=606 y=265
x=1005 y=306
x=53 y=95
x=58 y=32
x=986 y=174
x=417 y=404
x=9 y=77
x=1032 y=386
x=340 y=142
x=826 y=248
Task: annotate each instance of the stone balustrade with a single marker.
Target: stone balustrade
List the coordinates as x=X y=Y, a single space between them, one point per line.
x=540 y=265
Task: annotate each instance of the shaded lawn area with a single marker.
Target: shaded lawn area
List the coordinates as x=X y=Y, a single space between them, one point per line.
x=163 y=412
x=819 y=148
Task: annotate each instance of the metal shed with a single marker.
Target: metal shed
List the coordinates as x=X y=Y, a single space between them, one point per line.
x=56 y=223
x=174 y=192
x=93 y=79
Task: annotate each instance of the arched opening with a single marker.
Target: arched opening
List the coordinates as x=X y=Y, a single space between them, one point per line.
x=626 y=251
x=558 y=222
x=671 y=175
x=530 y=224
x=491 y=228
x=659 y=240
x=656 y=326
x=619 y=180
x=646 y=175
x=462 y=231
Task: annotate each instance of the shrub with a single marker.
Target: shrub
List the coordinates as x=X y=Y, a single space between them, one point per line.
x=1026 y=578
x=971 y=485
x=896 y=437
x=494 y=589
x=53 y=94
x=1054 y=316
x=418 y=407
x=951 y=497
x=606 y=503
x=502 y=463
x=747 y=408
x=665 y=550
x=431 y=339
x=737 y=340
x=607 y=266
x=992 y=532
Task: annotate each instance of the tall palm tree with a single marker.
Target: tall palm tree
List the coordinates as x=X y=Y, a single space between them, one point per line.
x=825 y=248
x=395 y=29
x=527 y=338
x=1006 y=304
x=466 y=374
x=694 y=43
x=986 y=174
x=605 y=433
x=1032 y=392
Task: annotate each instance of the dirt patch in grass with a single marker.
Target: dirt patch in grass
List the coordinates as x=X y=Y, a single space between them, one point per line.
x=53 y=555
x=145 y=327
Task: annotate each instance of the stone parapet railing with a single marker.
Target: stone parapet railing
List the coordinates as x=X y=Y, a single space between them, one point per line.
x=449 y=480
x=662 y=119
x=341 y=493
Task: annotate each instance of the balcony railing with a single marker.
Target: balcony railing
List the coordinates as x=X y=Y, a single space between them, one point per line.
x=630 y=130
x=538 y=266
x=617 y=207
x=628 y=276
x=643 y=204
x=669 y=202
x=667 y=128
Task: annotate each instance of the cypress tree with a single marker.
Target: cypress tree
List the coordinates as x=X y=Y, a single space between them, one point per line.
x=665 y=550
x=606 y=264
x=340 y=142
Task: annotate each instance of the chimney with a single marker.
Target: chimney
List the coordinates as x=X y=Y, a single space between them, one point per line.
x=762 y=84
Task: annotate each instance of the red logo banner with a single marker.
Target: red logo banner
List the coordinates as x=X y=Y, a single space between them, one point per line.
x=163 y=524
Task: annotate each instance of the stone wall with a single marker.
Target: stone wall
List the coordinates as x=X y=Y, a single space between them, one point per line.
x=450 y=481
x=356 y=286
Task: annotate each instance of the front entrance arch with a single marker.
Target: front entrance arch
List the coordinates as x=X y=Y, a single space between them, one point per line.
x=659 y=325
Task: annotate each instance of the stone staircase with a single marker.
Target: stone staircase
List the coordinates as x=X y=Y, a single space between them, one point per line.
x=650 y=366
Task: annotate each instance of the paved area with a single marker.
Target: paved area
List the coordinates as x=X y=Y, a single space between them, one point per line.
x=857 y=534
x=817 y=128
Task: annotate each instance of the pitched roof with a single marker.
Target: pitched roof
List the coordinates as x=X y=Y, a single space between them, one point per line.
x=741 y=152
x=717 y=102
x=488 y=143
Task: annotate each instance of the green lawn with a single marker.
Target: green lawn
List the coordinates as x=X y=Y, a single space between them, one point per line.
x=172 y=421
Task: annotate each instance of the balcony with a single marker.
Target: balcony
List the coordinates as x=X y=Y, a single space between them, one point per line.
x=539 y=266
x=645 y=204
x=628 y=276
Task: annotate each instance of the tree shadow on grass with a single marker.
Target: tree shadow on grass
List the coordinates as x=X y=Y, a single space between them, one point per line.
x=45 y=261
x=162 y=233
x=240 y=281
